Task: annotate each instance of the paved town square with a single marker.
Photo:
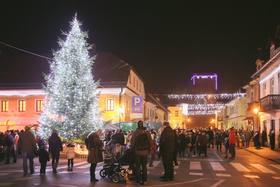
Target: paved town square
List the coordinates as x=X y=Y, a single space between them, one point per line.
x=252 y=167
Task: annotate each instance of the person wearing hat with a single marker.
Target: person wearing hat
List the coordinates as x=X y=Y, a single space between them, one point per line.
x=27 y=145
x=94 y=145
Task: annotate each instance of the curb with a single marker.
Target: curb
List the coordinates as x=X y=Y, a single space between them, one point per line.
x=278 y=162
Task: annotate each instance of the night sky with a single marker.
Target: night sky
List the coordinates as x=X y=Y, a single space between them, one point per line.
x=164 y=41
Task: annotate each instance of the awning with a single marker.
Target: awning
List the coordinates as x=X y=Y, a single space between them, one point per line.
x=248 y=119
x=111 y=127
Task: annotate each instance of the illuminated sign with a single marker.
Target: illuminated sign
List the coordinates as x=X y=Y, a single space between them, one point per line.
x=206 y=76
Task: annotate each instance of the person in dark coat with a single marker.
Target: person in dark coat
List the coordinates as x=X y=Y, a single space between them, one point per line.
x=264 y=138
x=141 y=153
x=272 y=139
x=167 y=145
x=176 y=147
x=43 y=158
x=247 y=136
x=257 y=139
x=27 y=146
x=202 y=142
x=94 y=145
x=182 y=143
x=9 y=143
x=55 y=146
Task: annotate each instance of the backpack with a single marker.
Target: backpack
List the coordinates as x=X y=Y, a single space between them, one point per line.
x=142 y=141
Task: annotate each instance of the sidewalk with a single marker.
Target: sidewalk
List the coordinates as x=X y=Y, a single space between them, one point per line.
x=264 y=152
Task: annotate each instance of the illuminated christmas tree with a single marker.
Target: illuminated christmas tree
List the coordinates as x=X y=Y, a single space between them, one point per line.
x=70 y=104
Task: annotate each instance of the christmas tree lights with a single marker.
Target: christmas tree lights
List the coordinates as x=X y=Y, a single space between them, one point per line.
x=70 y=104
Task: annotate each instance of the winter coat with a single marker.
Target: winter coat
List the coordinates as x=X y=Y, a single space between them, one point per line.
x=182 y=139
x=70 y=151
x=134 y=137
x=43 y=155
x=94 y=145
x=202 y=140
x=272 y=139
x=27 y=142
x=247 y=135
x=167 y=141
x=9 y=140
x=232 y=137
x=55 y=144
x=218 y=138
x=118 y=138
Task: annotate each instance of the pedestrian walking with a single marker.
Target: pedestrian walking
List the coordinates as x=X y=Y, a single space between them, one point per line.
x=94 y=145
x=153 y=149
x=257 y=139
x=232 y=139
x=70 y=155
x=9 y=143
x=167 y=149
x=55 y=146
x=219 y=140
x=43 y=158
x=141 y=143
x=264 y=138
x=182 y=143
x=272 y=139
x=27 y=146
x=247 y=136
x=226 y=146
x=202 y=143
x=176 y=146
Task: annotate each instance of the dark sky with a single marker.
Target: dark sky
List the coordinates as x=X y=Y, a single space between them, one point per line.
x=165 y=41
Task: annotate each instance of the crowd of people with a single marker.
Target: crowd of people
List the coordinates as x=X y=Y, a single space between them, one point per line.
x=165 y=143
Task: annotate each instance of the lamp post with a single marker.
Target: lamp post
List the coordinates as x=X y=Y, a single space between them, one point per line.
x=256 y=112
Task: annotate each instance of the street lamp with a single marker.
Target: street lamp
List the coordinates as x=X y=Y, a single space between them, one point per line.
x=256 y=112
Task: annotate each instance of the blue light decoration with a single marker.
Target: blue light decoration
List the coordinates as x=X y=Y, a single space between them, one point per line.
x=205 y=76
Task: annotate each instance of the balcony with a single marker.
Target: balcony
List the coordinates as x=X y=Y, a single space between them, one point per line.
x=270 y=103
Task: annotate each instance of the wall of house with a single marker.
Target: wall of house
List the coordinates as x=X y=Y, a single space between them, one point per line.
x=136 y=84
x=236 y=112
x=13 y=118
x=150 y=112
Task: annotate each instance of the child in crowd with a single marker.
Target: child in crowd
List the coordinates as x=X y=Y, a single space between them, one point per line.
x=43 y=158
x=70 y=154
x=226 y=146
x=153 y=150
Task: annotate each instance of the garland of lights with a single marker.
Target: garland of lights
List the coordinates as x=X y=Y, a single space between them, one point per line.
x=206 y=96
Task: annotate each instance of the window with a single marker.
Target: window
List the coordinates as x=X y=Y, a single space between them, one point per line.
x=21 y=105
x=271 y=86
x=264 y=90
x=39 y=105
x=5 y=106
x=110 y=104
x=137 y=84
x=140 y=87
x=129 y=79
x=134 y=82
x=176 y=113
x=272 y=124
x=252 y=96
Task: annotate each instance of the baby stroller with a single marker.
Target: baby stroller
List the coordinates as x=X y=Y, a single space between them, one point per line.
x=114 y=163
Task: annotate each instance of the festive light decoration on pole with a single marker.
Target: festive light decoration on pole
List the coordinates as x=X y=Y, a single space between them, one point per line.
x=206 y=96
x=205 y=76
x=70 y=104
